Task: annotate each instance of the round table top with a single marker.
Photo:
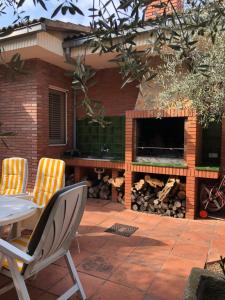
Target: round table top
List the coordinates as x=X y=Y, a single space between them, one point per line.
x=13 y=209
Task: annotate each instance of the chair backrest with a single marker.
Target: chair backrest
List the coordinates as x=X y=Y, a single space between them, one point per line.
x=50 y=178
x=56 y=227
x=14 y=176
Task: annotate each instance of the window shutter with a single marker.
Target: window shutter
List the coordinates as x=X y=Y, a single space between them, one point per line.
x=57 y=117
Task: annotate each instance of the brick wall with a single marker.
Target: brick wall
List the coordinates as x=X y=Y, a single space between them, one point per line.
x=59 y=80
x=108 y=91
x=18 y=113
x=24 y=110
x=151 y=12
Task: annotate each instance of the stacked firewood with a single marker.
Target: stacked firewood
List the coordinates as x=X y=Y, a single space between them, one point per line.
x=119 y=184
x=100 y=189
x=155 y=196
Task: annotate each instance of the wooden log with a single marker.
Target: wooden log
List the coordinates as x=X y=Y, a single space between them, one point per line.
x=151 y=201
x=181 y=195
x=177 y=204
x=168 y=212
x=151 y=208
x=104 y=192
x=156 y=201
x=120 y=197
x=133 y=197
x=117 y=182
x=182 y=187
x=164 y=205
x=139 y=185
x=142 y=207
x=167 y=188
x=183 y=203
x=135 y=207
x=180 y=215
x=145 y=204
x=154 y=182
x=105 y=179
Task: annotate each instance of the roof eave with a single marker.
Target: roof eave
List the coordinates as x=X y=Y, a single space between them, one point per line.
x=28 y=29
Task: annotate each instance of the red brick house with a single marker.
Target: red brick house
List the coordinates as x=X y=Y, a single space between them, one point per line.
x=41 y=107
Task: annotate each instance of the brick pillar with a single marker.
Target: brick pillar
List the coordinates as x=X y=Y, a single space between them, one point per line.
x=222 y=155
x=192 y=137
x=129 y=151
x=114 y=191
x=128 y=185
x=129 y=140
x=77 y=174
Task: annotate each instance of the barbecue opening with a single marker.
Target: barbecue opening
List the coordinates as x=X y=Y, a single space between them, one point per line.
x=160 y=140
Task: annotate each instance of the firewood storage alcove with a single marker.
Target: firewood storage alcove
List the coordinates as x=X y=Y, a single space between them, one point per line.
x=159 y=194
x=98 y=185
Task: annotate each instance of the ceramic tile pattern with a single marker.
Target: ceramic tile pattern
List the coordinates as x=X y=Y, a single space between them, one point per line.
x=152 y=264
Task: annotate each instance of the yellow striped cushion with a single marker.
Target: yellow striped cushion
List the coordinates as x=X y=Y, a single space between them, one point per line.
x=14 y=176
x=22 y=244
x=50 y=178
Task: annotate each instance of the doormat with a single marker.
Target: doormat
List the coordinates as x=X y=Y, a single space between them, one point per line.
x=121 y=229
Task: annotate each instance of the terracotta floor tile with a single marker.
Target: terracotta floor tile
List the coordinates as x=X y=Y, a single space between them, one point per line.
x=154 y=260
x=114 y=206
x=119 y=246
x=93 y=218
x=160 y=254
x=48 y=276
x=178 y=266
x=4 y=280
x=90 y=284
x=161 y=245
x=112 y=291
x=190 y=251
x=196 y=238
x=98 y=265
x=91 y=242
x=213 y=255
x=133 y=275
x=166 y=286
x=77 y=257
x=34 y=294
x=97 y=202
x=199 y=226
x=127 y=215
x=48 y=296
x=218 y=245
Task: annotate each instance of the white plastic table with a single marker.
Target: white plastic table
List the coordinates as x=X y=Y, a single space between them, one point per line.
x=13 y=210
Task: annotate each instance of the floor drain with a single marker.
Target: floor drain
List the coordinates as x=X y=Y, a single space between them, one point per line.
x=121 y=229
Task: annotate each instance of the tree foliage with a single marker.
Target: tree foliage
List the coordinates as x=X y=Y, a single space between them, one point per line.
x=203 y=85
x=115 y=26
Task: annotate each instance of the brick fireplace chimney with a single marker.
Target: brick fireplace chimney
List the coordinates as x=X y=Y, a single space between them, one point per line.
x=151 y=12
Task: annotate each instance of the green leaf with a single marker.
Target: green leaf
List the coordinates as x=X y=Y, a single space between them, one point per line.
x=56 y=11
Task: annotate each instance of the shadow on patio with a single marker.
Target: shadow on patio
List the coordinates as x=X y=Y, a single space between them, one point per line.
x=151 y=264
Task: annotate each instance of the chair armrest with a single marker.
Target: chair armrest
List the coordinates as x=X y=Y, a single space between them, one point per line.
x=9 y=250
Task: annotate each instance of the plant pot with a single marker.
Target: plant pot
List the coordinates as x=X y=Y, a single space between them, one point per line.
x=204 y=285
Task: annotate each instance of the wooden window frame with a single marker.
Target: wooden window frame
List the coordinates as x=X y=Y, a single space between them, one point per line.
x=58 y=89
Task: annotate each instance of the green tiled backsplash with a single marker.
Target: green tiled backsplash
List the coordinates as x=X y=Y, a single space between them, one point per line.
x=91 y=138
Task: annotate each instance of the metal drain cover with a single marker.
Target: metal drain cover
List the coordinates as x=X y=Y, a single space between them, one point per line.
x=121 y=229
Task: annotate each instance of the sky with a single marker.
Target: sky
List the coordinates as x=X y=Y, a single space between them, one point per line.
x=37 y=12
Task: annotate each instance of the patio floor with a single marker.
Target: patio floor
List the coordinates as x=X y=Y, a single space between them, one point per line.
x=152 y=264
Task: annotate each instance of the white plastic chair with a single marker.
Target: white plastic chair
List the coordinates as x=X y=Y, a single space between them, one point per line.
x=50 y=241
